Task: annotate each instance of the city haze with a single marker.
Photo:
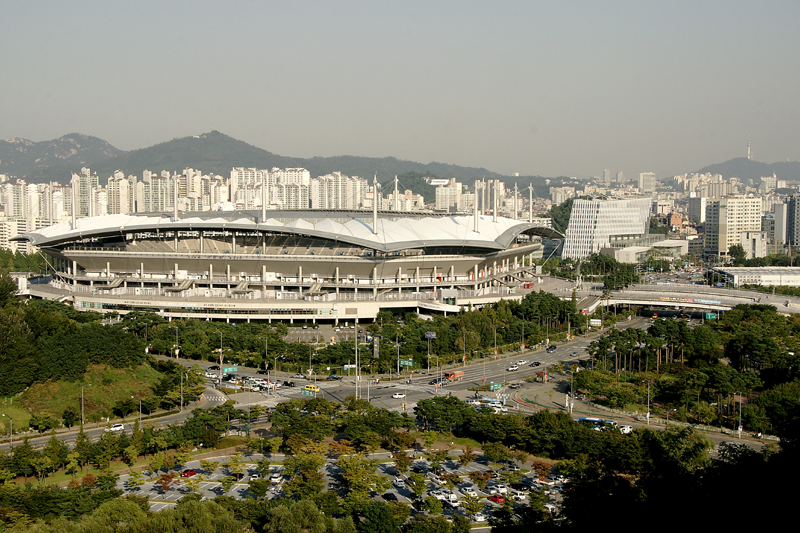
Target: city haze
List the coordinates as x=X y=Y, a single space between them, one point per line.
x=527 y=87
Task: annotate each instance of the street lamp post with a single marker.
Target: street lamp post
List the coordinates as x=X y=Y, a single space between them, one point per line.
x=176 y=340
x=11 y=433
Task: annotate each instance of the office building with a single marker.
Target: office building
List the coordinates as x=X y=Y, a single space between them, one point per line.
x=727 y=219
x=597 y=224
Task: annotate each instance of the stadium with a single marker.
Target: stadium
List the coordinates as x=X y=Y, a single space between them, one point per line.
x=315 y=266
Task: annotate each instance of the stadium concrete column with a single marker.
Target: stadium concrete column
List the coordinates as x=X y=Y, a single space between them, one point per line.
x=452 y=273
x=141 y=271
x=233 y=243
x=108 y=269
x=475 y=275
x=416 y=277
x=374 y=281
x=74 y=274
x=300 y=278
x=228 y=274
x=201 y=242
x=211 y=275
x=263 y=275
x=337 y=282
x=175 y=271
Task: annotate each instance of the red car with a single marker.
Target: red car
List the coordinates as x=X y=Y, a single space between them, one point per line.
x=189 y=472
x=497 y=499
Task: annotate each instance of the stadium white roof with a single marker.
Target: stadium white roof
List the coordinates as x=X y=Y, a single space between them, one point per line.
x=393 y=232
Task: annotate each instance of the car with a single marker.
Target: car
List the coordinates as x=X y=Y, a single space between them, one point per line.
x=390 y=497
x=521 y=362
x=255 y=475
x=288 y=384
x=298 y=376
x=189 y=472
x=211 y=375
x=262 y=372
x=277 y=477
x=625 y=429
x=515 y=385
x=214 y=367
x=470 y=492
x=334 y=376
x=500 y=488
x=496 y=498
x=419 y=469
x=574 y=354
x=479 y=517
x=398 y=395
x=536 y=363
x=305 y=326
x=512 y=368
x=116 y=427
x=552 y=348
x=398 y=483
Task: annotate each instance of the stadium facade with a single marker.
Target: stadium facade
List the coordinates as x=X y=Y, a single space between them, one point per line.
x=285 y=265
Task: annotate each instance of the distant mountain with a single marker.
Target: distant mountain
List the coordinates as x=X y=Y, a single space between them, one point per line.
x=21 y=157
x=217 y=153
x=743 y=168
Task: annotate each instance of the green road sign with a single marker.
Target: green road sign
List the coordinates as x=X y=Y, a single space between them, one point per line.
x=711 y=316
x=307 y=392
x=406 y=362
x=495 y=386
x=230 y=369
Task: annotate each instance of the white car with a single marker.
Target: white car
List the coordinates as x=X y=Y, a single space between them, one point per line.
x=116 y=427
x=470 y=492
x=522 y=362
x=398 y=395
x=212 y=375
x=512 y=368
x=479 y=517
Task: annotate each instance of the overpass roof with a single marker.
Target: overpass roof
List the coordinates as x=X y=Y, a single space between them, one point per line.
x=393 y=232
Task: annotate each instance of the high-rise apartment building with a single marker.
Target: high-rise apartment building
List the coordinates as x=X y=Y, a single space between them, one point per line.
x=647 y=182
x=727 y=219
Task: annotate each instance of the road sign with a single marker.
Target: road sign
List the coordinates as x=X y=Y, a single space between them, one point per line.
x=230 y=369
x=430 y=335
x=306 y=392
x=495 y=386
x=711 y=316
x=406 y=362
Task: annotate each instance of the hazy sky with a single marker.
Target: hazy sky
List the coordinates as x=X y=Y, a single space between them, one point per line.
x=549 y=88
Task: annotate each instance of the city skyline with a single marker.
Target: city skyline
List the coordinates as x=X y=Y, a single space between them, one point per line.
x=516 y=87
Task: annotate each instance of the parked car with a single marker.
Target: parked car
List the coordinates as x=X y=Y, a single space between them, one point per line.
x=390 y=497
x=496 y=498
x=470 y=492
x=189 y=472
x=479 y=517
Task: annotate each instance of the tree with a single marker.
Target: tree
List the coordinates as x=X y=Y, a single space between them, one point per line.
x=433 y=505
x=467 y=456
x=70 y=416
x=166 y=482
x=427 y=524
x=472 y=504
x=737 y=253
x=377 y=517
x=135 y=480
x=496 y=452
x=402 y=462
x=418 y=483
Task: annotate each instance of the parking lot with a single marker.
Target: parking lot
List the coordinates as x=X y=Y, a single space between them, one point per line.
x=211 y=486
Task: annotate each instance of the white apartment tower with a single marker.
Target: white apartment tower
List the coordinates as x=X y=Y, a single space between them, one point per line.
x=727 y=219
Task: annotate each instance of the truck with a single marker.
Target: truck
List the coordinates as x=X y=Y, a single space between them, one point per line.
x=456 y=375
